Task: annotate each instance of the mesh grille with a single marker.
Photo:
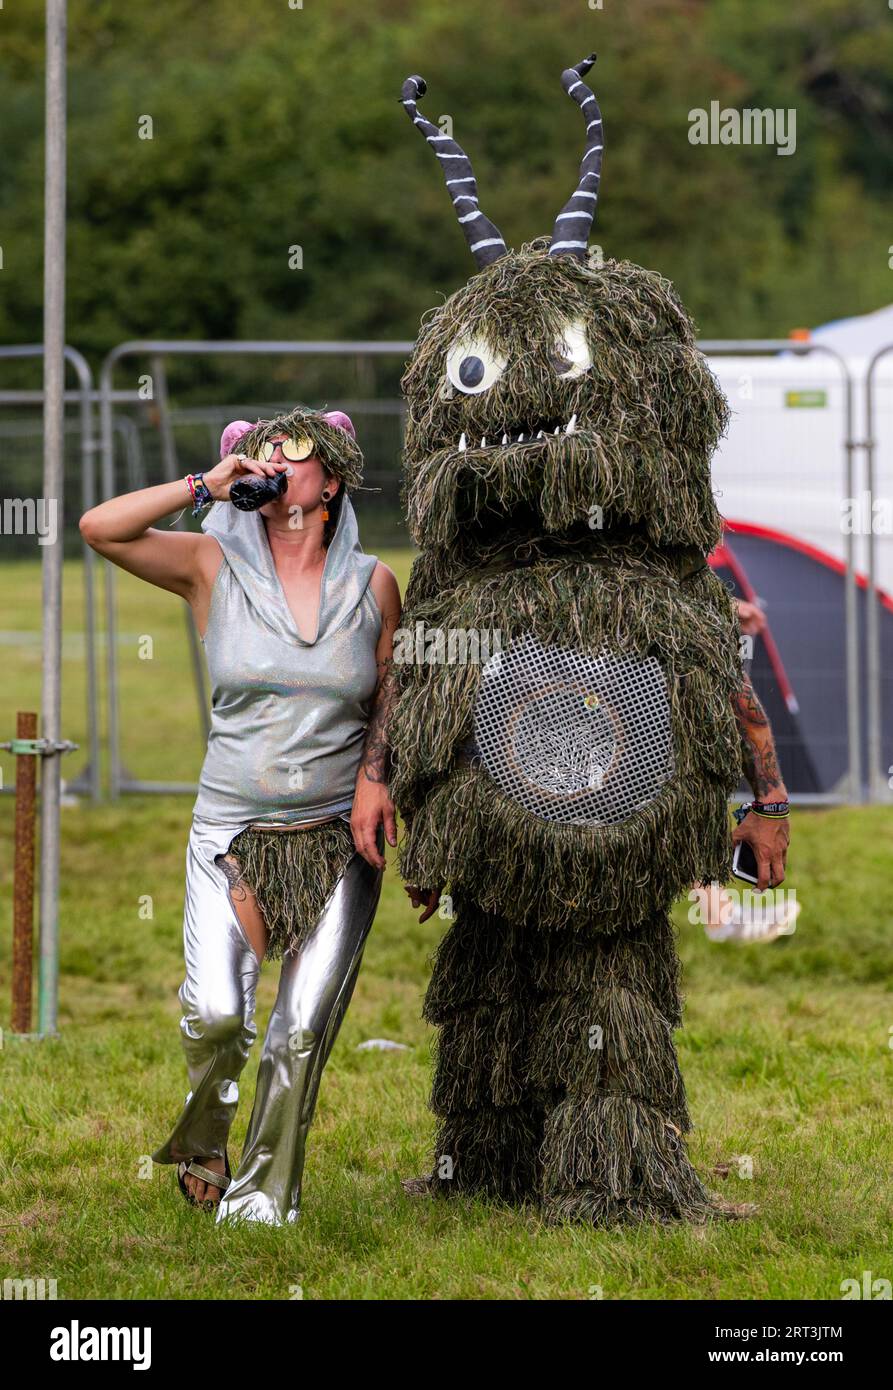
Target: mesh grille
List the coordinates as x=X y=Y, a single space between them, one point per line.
x=579 y=739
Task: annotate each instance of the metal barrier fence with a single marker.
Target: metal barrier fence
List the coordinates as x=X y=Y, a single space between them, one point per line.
x=159 y=351
x=89 y=779
x=144 y=438
x=850 y=786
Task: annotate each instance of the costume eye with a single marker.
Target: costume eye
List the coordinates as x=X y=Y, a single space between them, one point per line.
x=570 y=352
x=472 y=365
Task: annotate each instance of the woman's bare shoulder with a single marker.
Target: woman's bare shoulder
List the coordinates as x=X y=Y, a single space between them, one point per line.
x=385 y=587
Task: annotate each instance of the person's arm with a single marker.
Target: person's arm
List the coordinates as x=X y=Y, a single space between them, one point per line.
x=768 y=838
x=123 y=528
x=372 y=804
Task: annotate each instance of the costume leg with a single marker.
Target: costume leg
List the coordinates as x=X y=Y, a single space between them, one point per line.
x=217 y=1028
x=490 y=1121
x=613 y=1147
x=315 y=988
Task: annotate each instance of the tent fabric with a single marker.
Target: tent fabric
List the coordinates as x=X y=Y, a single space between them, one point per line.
x=799 y=666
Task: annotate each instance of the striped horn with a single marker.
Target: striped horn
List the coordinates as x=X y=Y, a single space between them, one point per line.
x=484 y=240
x=571 y=230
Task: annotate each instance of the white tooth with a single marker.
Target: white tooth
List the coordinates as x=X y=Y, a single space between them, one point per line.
x=505 y=439
x=540 y=435
x=462 y=444
x=521 y=438
x=555 y=431
x=569 y=427
x=483 y=441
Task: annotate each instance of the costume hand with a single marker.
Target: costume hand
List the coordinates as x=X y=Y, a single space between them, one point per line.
x=769 y=841
x=219 y=479
x=429 y=897
x=372 y=807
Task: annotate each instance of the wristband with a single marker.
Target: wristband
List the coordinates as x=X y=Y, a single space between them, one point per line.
x=201 y=497
x=769 y=810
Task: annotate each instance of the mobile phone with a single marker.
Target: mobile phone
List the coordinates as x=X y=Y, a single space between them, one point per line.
x=744 y=863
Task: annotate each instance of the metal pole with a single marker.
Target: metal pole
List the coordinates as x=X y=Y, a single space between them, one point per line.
x=23 y=878
x=88 y=500
x=878 y=783
x=53 y=491
x=853 y=701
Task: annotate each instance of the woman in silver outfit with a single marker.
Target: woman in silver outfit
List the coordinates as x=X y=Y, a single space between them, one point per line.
x=285 y=855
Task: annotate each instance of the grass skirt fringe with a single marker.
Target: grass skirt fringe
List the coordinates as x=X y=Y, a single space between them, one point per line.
x=292 y=874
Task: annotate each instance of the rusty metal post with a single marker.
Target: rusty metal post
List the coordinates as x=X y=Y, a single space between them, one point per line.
x=23 y=877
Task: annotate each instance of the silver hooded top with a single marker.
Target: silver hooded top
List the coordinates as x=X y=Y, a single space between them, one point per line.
x=288 y=716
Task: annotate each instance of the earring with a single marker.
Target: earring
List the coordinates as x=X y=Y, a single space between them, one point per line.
x=324 y=499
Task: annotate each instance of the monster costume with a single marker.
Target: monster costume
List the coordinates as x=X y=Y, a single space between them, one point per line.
x=563 y=740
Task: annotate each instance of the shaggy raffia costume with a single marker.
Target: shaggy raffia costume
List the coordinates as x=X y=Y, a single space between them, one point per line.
x=567 y=789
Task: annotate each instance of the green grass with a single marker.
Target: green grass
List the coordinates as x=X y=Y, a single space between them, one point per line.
x=786 y=1053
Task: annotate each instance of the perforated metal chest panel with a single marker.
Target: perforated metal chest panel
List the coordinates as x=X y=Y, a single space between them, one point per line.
x=574 y=738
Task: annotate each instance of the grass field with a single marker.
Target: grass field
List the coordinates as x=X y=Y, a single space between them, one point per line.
x=786 y=1052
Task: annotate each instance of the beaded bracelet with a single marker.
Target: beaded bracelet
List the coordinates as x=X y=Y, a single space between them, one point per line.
x=201 y=497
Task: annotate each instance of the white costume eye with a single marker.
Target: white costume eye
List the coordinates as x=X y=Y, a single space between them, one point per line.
x=472 y=365
x=570 y=353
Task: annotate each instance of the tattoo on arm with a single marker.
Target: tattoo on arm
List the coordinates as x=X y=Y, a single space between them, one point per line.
x=757 y=744
x=376 y=762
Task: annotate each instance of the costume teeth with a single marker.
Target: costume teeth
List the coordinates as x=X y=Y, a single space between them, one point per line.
x=505 y=439
x=483 y=441
x=462 y=444
x=571 y=425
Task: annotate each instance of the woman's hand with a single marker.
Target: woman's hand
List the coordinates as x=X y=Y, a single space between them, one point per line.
x=423 y=897
x=219 y=480
x=372 y=807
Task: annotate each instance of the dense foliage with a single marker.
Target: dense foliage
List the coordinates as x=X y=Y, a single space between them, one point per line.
x=276 y=127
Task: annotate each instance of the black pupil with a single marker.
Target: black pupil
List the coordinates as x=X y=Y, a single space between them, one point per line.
x=561 y=360
x=471 y=371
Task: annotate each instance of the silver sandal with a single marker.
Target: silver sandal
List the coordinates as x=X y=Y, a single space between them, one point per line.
x=198 y=1171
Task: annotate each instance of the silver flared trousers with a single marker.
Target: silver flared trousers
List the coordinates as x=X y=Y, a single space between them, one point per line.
x=217 y=1029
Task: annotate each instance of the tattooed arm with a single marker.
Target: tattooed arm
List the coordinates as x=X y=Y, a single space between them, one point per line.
x=372 y=804
x=768 y=838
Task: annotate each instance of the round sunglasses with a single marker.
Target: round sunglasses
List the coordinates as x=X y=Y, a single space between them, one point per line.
x=292 y=449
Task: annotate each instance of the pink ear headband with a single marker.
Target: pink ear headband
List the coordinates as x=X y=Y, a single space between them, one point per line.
x=237 y=428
